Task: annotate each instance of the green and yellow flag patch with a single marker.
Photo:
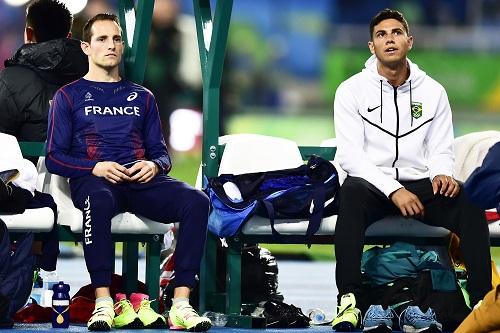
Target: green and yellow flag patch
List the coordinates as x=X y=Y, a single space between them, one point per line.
x=416 y=109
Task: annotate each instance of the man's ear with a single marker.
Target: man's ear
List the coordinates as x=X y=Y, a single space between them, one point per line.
x=85 y=47
x=410 y=42
x=370 y=46
x=29 y=35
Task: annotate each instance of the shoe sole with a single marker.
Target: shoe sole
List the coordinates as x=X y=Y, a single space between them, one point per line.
x=344 y=327
x=200 y=327
x=381 y=328
x=158 y=323
x=135 y=324
x=431 y=329
x=99 y=325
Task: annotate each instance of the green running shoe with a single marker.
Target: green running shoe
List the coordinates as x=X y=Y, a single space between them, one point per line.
x=183 y=317
x=102 y=317
x=348 y=316
x=148 y=317
x=125 y=314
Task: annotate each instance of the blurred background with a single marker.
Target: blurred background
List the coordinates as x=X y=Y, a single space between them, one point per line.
x=285 y=59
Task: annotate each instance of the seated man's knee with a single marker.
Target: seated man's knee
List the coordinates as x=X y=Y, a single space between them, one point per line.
x=196 y=199
x=101 y=199
x=354 y=187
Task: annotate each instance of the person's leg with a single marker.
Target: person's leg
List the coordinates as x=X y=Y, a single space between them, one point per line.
x=99 y=201
x=462 y=217
x=168 y=200
x=361 y=204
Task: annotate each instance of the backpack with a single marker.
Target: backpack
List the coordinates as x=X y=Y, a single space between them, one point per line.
x=403 y=275
x=306 y=192
x=449 y=306
x=16 y=274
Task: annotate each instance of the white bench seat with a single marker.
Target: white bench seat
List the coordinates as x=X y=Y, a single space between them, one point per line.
x=392 y=226
x=36 y=220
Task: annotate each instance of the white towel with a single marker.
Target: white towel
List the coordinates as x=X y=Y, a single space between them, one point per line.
x=12 y=158
x=470 y=150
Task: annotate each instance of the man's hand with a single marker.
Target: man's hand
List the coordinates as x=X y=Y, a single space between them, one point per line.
x=445 y=185
x=143 y=171
x=408 y=203
x=111 y=171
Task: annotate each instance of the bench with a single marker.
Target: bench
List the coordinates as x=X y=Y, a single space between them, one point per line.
x=126 y=227
x=245 y=153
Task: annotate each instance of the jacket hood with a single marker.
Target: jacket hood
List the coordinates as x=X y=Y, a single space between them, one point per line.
x=57 y=61
x=416 y=77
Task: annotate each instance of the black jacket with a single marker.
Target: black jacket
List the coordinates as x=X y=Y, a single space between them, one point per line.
x=29 y=81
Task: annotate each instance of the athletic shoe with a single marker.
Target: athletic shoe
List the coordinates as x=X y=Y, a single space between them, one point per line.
x=348 y=316
x=102 y=317
x=125 y=314
x=148 y=317
x=378 y=320
x=183 y=317
x=413 y=320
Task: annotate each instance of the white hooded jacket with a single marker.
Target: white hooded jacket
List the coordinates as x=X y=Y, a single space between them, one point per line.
x=387 y=134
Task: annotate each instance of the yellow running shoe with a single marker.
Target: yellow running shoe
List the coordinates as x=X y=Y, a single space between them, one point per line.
x=125 y=314
x=102 y=317
x=183 y=317
x=348 y=316
x=148 y=317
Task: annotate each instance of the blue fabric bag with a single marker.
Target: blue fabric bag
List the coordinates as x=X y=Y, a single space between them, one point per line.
x=280 y=194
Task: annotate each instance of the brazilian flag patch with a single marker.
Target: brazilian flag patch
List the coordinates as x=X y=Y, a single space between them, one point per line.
x=416 y=109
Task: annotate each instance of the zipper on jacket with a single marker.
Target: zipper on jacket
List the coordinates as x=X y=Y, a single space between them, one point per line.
x=397 y=130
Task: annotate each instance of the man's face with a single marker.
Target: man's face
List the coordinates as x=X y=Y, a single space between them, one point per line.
x=390 y=43
x=105 y=48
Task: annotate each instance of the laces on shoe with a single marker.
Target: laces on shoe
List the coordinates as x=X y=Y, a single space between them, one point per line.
x=145 y=304
x=121 y=305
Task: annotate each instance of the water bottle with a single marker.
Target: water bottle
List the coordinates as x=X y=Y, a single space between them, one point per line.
x=37 y=291
x=60 y=305
x=316 y=316
x=217 y=319
x=49 y=280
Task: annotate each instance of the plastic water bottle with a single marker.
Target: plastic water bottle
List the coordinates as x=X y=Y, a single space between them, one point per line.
x=37 y=291
x=317 y=316
x=217 y=319
x=49 y=280
x=60 y=305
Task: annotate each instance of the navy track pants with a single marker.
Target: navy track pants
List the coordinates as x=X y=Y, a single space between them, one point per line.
x=163 y=199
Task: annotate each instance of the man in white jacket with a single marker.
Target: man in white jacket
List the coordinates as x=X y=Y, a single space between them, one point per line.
x=395 y=141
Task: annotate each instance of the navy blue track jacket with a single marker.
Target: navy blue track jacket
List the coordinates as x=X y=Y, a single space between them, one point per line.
x=91 y=122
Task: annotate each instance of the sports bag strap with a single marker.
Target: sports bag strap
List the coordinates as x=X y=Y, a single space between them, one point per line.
x=270 y=212
x=317 y=213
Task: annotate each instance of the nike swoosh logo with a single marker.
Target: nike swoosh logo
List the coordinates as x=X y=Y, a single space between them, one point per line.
x=371 y=109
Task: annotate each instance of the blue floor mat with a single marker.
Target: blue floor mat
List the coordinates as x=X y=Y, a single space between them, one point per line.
x=83 y=328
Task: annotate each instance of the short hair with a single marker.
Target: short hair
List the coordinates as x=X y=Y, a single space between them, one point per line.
x=385 y=15
x=49 y=19
x=87 y=29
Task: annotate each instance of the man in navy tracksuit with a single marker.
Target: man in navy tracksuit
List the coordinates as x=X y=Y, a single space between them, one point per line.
x=483 y=185
x=104 y=134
